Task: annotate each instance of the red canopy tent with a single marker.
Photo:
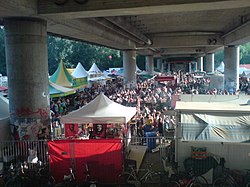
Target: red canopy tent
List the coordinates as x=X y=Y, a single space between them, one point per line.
x=103 y=157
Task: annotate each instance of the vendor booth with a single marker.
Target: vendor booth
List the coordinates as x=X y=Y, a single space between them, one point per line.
x=101 y=157
x=220 y=129
x=105 y=124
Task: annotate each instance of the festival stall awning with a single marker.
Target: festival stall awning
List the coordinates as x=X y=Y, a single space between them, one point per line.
x=59 y=91
x=101 y=110
x=3 y=88
x=79 y=71
x=220 y=122
x=94 y=70
x=62 y=77
x=4 y=108
x=103 y=158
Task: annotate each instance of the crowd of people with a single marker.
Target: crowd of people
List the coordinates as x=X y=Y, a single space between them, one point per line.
x=151 y=98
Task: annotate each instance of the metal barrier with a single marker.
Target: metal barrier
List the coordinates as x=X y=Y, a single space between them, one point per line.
x=156 y=148
x=20 y=151
x=24 y=151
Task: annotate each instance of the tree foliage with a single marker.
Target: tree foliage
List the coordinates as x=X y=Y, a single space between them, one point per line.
x=72 y=52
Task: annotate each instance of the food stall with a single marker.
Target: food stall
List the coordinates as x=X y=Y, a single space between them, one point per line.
x=105 y=123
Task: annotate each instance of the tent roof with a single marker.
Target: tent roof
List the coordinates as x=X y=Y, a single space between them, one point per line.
x=215 y=121
x=79 y=71
x=211 y=126
x=94 y=69
x=100 y=110
x=214 y=106
x=4 y=107
x=3 y=88
x=138 y=69
x=59 y=91
x=221 y=67
x=61 y=76
x=70 y=70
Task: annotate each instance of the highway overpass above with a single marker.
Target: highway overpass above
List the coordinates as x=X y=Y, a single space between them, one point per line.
x=160 y=28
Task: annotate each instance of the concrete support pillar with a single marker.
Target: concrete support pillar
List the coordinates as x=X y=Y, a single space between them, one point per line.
x=169 y=67
x=27 y=70
x=163 y=66
x=190 y=67
x=200 y=63
x=146 y=66
x=129 y=65
x=195 y=66
x=150 y=63
x=231 y=72
x=159 y=64
x=210 y=63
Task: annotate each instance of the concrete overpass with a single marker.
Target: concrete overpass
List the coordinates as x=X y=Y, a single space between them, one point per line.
x=169 y=28
x=162 y=28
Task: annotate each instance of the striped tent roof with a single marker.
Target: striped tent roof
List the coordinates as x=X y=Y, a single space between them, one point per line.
x=61 y=76
x=59 y=91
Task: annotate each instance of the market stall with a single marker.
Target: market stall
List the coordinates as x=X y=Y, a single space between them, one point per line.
x=101 y=157
x=105 y=123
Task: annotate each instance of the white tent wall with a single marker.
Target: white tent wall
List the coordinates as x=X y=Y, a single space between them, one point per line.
x=240 y=99
x=215 y=126
x=5 y=129
x=237 y=155
x=222 y=127
x=4 y=119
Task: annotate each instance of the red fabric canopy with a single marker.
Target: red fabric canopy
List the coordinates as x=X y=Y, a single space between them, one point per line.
x=3 y=88
x=103 y=157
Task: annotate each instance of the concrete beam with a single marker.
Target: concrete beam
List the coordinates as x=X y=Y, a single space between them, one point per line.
x=122 y=23
x=115 y=28
x=17 y=8
x=102 y=8
x=87 y=30
x=238 y=36
x=161 y=41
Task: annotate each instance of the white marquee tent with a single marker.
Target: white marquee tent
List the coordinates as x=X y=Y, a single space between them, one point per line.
x=94 y=70
x=4 y=119
x=4 y=108
x=221 y=67
x=79 y=71
x=101 y=110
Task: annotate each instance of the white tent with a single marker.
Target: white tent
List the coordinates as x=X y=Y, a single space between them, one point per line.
x=4 y=119
x=138 y=69
x=101 y=110
x=94 y=69
x=96 y=75
x=4 y=108
x=221 y=128
x=221 y=67
x=79 y=71
x=220 y=122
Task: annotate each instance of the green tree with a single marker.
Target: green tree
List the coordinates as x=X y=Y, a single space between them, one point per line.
x=88 y=54
x=218 y=58
x=245 y=54
x=58 y=49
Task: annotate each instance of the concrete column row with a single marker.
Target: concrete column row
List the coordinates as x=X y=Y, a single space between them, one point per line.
x=27 y=69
